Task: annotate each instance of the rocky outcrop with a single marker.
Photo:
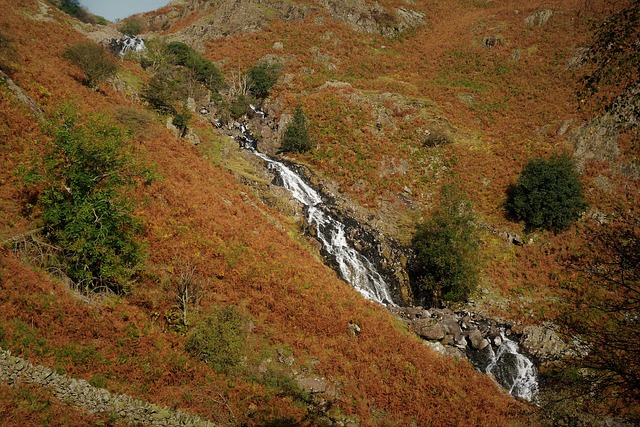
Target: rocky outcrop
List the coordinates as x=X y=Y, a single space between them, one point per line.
x=94 y=399
x=596 y=140
x=466 y=332
x=22 y=96
x=228 y=17
x=217 y=18
x=373 y=18
x=545 y=343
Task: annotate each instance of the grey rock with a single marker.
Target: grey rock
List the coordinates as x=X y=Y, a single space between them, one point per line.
x=538 y=18
x=478 y=342
x=429 y=329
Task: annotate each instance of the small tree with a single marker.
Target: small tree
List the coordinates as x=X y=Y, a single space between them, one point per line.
x=75 y=9
x=205 y=71
x=296 y=136
x=445 y=261
x=85 y=212
x=94 y=60
x=548 y=194
x=262 y=77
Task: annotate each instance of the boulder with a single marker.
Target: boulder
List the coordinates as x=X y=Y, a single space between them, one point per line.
x=312 y=384
x=429 y=329
x=477 y=341
x=451 y=326
x=543 y=342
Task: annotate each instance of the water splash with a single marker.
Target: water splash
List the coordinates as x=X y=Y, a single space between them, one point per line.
x=353 y=266
x=512 y=370
x=126 y=44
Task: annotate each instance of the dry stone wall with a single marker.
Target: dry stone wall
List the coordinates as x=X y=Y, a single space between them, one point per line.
x=96 y=400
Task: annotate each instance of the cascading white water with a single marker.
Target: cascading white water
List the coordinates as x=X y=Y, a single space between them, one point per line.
x=512 y=370
x=354 y=267
x=126 y=44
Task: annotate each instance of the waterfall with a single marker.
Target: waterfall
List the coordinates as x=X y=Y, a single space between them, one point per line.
x=512 y=370
x=353 y=266
x=126 y=44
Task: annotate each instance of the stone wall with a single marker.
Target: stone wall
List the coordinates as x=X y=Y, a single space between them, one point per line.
x=96 y=400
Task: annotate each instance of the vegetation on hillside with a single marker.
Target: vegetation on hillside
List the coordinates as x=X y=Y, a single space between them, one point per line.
x=131 y=27
x=548 y=194
x=613 y=57
x=445 y=264
x=601 y=320
x=86 y=213
x=376 y=127
x=295 y=138
x=94 y=60
x=204 y=71
x=75 y=9
x=262 y=77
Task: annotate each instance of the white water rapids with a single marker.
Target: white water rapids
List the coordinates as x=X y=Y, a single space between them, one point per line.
x=354 y=267
x=512 y=370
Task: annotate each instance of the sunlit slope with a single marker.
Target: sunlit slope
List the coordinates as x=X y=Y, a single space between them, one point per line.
x=244 y=257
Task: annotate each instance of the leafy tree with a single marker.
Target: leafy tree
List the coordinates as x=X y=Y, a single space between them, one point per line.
x=205 y=71
x=239 y=106
x=296 y=136
x=85 y=212
x=602 y=314
x=548 y=194
x=74 y=8
x=445 y=261
x=94 y=60
x=71 y=7
x=164 y=90
x=181 y=121
x=613 y=59
x=131 y=27
x=262 y=77
x=220 y=339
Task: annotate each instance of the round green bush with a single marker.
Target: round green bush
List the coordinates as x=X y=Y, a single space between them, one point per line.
x=548 y=194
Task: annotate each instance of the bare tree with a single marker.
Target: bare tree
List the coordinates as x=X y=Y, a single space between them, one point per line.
x=188 y=288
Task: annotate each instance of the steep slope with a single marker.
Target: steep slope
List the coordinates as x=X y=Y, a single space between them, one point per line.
x=197 y=213
x=493 y=84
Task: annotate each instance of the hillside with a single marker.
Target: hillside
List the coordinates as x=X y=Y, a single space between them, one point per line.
x=401 y=98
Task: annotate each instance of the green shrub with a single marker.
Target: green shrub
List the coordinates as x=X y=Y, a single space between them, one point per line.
x=95 y=61
x=220 y=339
x=73 y=8
x=86 y=213
x=284 y=384
x=131 y=27
x=181 y=121
x=445 y=261
x=548 y=194
x=205 y=71
x=164 y=91
x=239 y=106
x=296 y=136
x=262 y=77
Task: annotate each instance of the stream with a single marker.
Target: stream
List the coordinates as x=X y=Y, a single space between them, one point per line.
x=511 y=369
